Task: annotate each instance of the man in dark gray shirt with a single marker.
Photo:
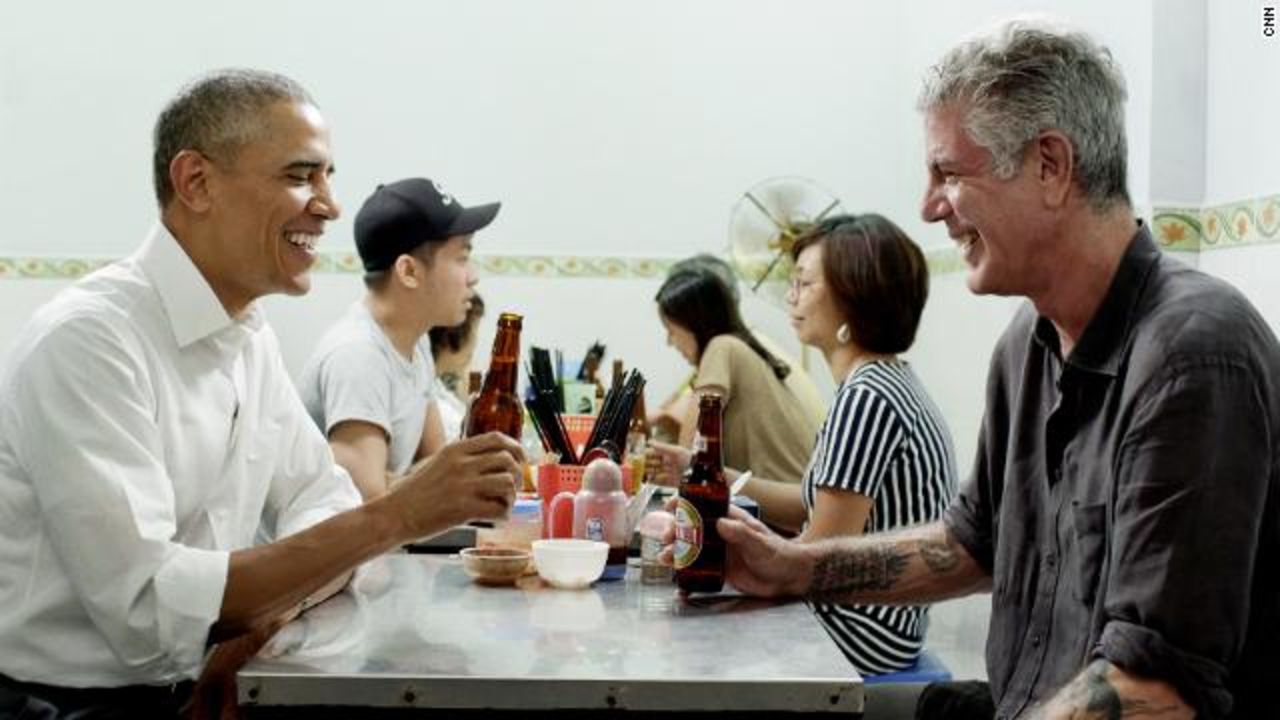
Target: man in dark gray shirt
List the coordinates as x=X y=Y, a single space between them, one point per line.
x=1122 y=508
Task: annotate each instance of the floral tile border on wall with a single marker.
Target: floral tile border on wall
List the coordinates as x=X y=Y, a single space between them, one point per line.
x=1248 y=222
x=347 y=262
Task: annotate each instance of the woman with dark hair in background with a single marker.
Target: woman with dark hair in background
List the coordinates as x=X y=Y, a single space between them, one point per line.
x=884 y=456
x=673 y=419
x=766 y=426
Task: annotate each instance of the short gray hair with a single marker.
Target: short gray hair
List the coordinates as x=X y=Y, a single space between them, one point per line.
x=216 y=115
x=1028 y=77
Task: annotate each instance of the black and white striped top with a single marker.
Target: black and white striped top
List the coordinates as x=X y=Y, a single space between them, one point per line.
x=883 y=438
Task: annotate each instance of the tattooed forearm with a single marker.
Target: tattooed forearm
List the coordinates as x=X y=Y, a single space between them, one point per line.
x=939 y=556
x=912 y=566
x=869 y=568
x=1094 y=696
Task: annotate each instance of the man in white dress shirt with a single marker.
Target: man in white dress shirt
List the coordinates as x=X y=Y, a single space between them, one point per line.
x=148 y=430
x=368 y=384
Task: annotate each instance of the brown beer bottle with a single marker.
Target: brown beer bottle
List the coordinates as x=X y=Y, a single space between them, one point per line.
x=497 y=407
x=704 y=498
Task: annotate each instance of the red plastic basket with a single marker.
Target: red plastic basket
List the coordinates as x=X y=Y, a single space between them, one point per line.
x=578 y=428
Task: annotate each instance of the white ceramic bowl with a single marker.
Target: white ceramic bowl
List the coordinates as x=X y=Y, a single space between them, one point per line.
x=569 y=563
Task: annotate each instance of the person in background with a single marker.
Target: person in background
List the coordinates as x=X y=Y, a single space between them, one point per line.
x=675 y=417
x=766 y=426
x=452 y=348
x=368 y=385
x=1124 y=505
x=884 y=456
x=149 y=431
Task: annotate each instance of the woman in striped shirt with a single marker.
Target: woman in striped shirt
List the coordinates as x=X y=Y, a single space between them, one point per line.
x=883 y=457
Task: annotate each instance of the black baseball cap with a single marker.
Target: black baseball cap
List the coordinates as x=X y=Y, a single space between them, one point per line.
x=400 y=216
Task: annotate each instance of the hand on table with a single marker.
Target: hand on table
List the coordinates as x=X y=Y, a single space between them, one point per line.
x=758 y=561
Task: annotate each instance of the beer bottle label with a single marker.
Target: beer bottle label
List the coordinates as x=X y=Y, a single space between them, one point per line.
x=689 y=529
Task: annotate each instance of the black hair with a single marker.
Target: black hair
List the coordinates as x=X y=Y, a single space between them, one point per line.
x=698 y=300
x=877 y=276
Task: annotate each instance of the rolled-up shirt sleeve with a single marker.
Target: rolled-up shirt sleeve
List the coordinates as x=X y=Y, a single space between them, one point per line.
x=1192 y=478
x=968 y=517
x=89 y=441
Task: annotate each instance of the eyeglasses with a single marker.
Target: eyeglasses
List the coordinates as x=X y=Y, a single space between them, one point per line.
x=797 y=284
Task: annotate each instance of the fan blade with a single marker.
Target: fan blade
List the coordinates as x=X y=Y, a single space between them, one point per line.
x=823 y=215
x=761 y=208
x=760 y=238
x=764 y=275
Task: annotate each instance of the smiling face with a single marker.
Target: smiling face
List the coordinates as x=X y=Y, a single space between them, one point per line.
x=680 y=338
x=994 y=221
x=269 y=205
x=814 y=313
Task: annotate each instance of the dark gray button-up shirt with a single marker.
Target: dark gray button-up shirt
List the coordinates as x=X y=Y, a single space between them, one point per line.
x=1125 y=500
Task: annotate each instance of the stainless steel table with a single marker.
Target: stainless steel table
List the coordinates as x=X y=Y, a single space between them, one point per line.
x=414 y=632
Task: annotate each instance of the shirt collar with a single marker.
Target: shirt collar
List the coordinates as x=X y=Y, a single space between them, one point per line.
x=194 y=311
x=1102 y=345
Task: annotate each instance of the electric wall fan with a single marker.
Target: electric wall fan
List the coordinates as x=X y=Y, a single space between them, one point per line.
x=764 y=225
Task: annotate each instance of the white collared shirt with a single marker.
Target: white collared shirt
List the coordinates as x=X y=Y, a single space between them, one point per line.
x=144 y=434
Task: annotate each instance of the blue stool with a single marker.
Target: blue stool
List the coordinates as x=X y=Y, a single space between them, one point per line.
x=928 y=668
x=893 y=696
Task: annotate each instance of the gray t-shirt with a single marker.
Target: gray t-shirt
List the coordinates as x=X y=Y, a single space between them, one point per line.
x=356 y=373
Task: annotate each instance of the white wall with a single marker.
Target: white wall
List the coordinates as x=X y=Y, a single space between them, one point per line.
x=1242 y=149
x=1243 y=152
x=1178 y=103
x=605 y=127
x=1253 y=270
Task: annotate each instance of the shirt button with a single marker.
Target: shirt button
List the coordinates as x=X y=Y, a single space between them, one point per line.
x=1035 y=640
x=1050 y=560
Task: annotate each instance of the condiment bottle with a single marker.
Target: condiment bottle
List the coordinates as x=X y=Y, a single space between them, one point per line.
x=600 y=513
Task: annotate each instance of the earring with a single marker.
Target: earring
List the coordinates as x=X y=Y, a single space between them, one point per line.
x=843 y=336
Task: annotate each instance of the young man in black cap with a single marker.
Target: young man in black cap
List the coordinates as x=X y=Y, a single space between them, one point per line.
x=367 y=385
